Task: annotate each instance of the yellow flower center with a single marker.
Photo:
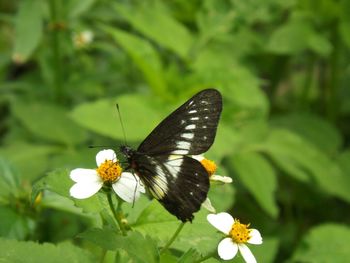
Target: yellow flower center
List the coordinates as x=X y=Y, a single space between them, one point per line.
x=240 y=233
x=209 y=165
x=109 y=171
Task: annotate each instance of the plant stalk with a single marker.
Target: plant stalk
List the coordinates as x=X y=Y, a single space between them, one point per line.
x=172 y=239
x=117 y=214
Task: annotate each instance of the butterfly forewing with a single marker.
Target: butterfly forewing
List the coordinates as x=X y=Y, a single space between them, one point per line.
x=188 y=130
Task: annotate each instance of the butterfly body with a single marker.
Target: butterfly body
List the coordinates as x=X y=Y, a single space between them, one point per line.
x=163 y=163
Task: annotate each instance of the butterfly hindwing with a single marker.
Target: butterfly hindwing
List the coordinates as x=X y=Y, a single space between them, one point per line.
x=189 y=130
x=179 y=182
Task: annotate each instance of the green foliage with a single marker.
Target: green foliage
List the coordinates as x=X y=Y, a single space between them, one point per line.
x=283 y=138
x=260 y=179
x=324 y=243
x=19 y=251
x=29 y=29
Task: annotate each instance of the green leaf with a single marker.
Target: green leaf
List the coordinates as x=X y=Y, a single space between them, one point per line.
x=77 y=7
x=29 y=29
x=289 y=38
x=14 y=225
x=312 y=128
x=139 y=117
x=158 y=223
x=324 y=243
x=226 y=141
x=344 y=32
x=139 y=248
x=289 y=147
x=49 y=122
x=256 y=173
x=191 y=255
x=267 y=251
x=153 y=19
x=57 y=181
x=144 y=56
x=105 y=238
x=30 y=160
x=31 y=252
x=344 y=162
x=9 y=180
x=320 y=44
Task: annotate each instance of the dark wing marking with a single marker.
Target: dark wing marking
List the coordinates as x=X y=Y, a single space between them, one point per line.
x=180 y=183
x=189 y=130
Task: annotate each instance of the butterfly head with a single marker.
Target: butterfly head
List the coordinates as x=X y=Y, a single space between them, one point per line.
x=127 y=151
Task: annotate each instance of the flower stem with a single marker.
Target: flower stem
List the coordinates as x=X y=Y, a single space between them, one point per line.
x=172 y=239
x=205 y=258
x=117 y=214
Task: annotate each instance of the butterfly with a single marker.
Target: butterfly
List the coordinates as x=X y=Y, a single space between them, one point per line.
x=163 y=160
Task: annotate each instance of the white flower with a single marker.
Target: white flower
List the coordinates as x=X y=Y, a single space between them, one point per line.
x=83 y=38
x=207 y=205
x=237 y=235
x=89 y=181
x=211 y=167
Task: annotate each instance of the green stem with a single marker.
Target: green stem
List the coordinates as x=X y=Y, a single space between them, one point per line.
x=172 y=239
x=117 y=214
x=205 y=258
x=56 y=52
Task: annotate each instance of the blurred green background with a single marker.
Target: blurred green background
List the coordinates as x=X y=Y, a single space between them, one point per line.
x=283 y=70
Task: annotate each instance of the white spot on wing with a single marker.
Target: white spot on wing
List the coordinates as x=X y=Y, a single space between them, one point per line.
x=182 y=152
x=183 y=148
x=192 y=111
x=190 y=127
x=195 y=119
x=187 y=135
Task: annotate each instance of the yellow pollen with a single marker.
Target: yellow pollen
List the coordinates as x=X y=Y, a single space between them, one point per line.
x=109 y=171
x=240 y=233
x=209 y=165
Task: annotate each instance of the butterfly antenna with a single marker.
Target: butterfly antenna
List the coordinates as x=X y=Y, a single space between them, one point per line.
x=121 y=123
x=99 y=146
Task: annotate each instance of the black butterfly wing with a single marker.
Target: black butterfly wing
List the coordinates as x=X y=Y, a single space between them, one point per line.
x=189 y=130
x=180 y=183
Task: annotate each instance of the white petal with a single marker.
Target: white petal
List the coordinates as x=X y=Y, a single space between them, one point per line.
x=128 y=187
x=246 y=253
x=255 y=237
x=198 y=157
x=222 y=221
x=81 y=175
x=224 y=179
x=104 y=155
x=85 y=190
x=207 y=205
x=227 y=249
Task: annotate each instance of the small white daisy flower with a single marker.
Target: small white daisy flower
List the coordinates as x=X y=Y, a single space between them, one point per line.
x=237 y=235
x=83 y=38
x=211 y=167
x=89 y=181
